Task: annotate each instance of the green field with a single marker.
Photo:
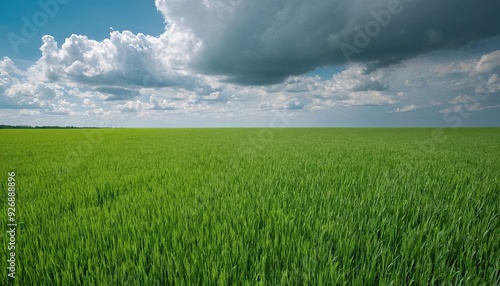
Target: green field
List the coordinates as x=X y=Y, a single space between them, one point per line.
x=253 y=206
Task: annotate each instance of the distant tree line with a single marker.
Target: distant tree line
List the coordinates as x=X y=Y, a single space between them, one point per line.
x=3 y=126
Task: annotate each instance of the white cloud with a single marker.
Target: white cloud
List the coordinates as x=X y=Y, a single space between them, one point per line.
x=452 y=109
x=40 y=90
x=94 y=112
x=123 y=58
x=488 y=63
x=162 y=103
x=77 y=92
x=133 y=106
x=212 y=96
x=265 y=105
x=293 y=103
x=58 y=110
x=9 y=74
x=454 y=67
x=29 y=112
x=463 y=99
x=491 y=85
x=407 y=108
x=88 y=103
x=464 y=103
x=368 y=98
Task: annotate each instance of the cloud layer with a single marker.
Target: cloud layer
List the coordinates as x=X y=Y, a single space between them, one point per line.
x=264 y=42
x=235 y=58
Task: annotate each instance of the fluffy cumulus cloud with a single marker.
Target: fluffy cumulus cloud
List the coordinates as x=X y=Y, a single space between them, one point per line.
x=88 y=103
x=9 y=74
x=229 y=57
x=123 y=59
x=133 y=106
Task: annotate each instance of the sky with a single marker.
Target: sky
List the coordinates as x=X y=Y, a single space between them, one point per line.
x=241 y=63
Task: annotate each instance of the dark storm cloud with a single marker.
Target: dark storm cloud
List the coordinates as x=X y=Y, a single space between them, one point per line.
x=263 y=42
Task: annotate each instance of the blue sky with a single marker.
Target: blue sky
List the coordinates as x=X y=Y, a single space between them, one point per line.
x=169 y=63
x=92 y=18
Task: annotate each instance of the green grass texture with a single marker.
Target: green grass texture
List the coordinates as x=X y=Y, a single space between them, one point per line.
x=312 y=206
